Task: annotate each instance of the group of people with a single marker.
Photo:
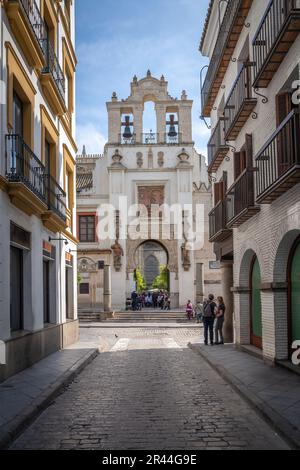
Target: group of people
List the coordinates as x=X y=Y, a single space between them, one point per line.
x=212 y=314
x=156 y=300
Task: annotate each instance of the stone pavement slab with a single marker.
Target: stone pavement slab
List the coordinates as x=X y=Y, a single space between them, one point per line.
x=148 y=390
x=274 y=391
x=25 y=395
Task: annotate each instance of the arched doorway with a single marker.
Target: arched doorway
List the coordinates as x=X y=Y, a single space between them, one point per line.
x=150 y=258
x=294 y=293
x=255 y=304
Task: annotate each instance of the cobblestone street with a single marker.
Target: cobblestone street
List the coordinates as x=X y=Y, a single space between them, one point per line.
x=148 y=390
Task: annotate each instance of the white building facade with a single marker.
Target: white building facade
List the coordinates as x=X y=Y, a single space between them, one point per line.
x=38 y=271
x=250 y=95
x=138 y=168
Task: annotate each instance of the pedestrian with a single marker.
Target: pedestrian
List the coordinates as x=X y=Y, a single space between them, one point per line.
x=220 y=318
x=199 y=312
x=167 y=303
x=154 y=299
x=134 y=298
x=209 y=316
x=189 y=310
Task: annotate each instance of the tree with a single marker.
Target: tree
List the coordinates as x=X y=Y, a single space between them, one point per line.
x=141 y=284
x=162 y=281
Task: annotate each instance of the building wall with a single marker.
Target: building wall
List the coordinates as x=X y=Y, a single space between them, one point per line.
x=277 y=224
x=62 y=127
x=125 y=167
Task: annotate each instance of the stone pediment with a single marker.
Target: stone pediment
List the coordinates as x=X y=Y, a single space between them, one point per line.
x=149 y=89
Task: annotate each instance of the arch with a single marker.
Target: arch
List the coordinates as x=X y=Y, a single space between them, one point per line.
x=294 y=293
x=255 y=304
x=283 y=292
x=149 y=257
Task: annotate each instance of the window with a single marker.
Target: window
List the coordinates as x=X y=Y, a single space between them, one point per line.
x=87 y=228
x=84 y=289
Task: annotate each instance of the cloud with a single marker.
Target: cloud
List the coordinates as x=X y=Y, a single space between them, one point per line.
x=89 y=135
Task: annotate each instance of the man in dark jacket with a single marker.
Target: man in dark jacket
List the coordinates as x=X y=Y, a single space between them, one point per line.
x=209 y=316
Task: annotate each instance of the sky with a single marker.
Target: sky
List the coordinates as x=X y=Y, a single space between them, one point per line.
x=117 y=39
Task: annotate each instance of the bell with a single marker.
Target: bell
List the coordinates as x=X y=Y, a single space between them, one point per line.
x=172 y=130
x=127 y=132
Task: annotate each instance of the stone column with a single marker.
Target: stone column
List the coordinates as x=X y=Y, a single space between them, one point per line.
x=227 y=284
x=138 y=122
x=160 y=122
x=107 y=289
x=199 y=283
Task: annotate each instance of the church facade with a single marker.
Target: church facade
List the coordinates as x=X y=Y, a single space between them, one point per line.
x=153 y=189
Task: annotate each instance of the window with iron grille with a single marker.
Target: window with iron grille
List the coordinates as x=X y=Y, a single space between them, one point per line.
x=87 y=228
x=84 y=288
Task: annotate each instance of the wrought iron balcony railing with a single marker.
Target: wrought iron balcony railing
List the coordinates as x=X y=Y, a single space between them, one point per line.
x=218 y=230
x=23 y=166
x=240 y=200
x=217 y=146
x=173 y=140
x=278 y=29
x=53 y=67
x=127 y=140
x=215 y=72
x=240 y=103
x=34 y=17
x=278 y=162
x=56 y=197
x=149 y=138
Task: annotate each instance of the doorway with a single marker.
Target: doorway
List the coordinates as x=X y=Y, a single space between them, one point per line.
x=46 y=290
x=152 y=261
x=294 y=293
x=256 y=305
x=16 y=289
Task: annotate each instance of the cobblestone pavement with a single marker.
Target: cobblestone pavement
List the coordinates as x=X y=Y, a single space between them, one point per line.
x=147 y=390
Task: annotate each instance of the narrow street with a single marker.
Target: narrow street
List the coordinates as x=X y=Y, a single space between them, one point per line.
x=148 y=390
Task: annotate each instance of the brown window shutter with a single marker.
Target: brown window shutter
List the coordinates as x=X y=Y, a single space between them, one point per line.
x=283 y=106
x=249 y=151
x=237 y=165
x=219 y=192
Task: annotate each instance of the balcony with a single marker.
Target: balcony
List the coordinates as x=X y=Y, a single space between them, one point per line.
x=25 y=176
x=55 y=219
x=240 y=200
x=217 y=147
x=150 y=138
x=231 y=27
x=218 y=230
x=28 y=27
x=278 y=162
x=276 y=34
x=53 y=81
x=240 y=104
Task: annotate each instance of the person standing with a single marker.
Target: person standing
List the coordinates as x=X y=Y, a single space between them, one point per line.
x=199 y=312
x=220 y=318
x=209 y=316
x=167 y=304
x=134 y=298
x=189 y=310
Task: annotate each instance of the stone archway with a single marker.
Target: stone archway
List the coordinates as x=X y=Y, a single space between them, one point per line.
x=150 y=256
x=283 y=294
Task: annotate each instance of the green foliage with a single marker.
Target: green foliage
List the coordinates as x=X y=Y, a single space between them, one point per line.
x=162 y=281
x=141 y=284
x=79 y=278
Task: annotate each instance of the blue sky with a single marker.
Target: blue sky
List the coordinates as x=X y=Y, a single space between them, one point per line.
x=117 y=39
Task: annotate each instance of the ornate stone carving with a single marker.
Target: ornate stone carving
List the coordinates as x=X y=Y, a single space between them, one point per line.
x=150 y=159
x=139 y=159
x=151 y=195
x=186 y=256
x=160 y=159
x=118 y=253
x=117 y=160
x=87 y=265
